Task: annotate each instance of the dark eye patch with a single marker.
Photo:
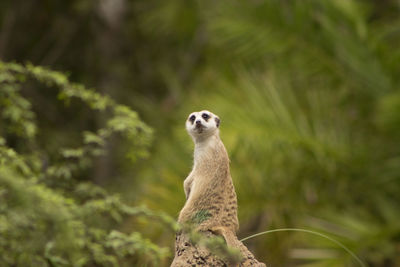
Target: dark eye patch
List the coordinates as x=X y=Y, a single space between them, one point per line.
x=217 y=121
x=205 y=116
x=192 y=118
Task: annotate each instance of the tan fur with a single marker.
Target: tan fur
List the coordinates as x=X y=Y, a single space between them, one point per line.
x=209 y=186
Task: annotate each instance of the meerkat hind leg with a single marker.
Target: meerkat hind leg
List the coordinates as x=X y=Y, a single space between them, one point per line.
x=229 y=236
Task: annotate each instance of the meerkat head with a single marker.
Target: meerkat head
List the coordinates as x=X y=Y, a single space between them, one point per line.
x=202 y=124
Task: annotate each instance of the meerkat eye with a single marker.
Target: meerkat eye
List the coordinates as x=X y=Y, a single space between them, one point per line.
x=192 y=118
x=205 y=116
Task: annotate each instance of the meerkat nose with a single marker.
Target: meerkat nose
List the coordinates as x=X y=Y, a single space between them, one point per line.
x=198 y=122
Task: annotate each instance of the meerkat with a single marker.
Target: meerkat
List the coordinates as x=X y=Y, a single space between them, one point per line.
x=211 y=201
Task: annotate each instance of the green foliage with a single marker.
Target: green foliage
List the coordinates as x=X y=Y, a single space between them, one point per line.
x=308 y=101
x=201 y=216
x=308 y=96
x=43 y=221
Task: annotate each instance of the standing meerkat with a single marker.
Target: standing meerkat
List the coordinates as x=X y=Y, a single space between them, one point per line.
x=211 y=201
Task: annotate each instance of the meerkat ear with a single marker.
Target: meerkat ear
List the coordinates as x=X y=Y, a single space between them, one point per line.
x=217 y=120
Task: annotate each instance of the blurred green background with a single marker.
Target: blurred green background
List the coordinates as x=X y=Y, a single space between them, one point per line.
x=308 y=93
